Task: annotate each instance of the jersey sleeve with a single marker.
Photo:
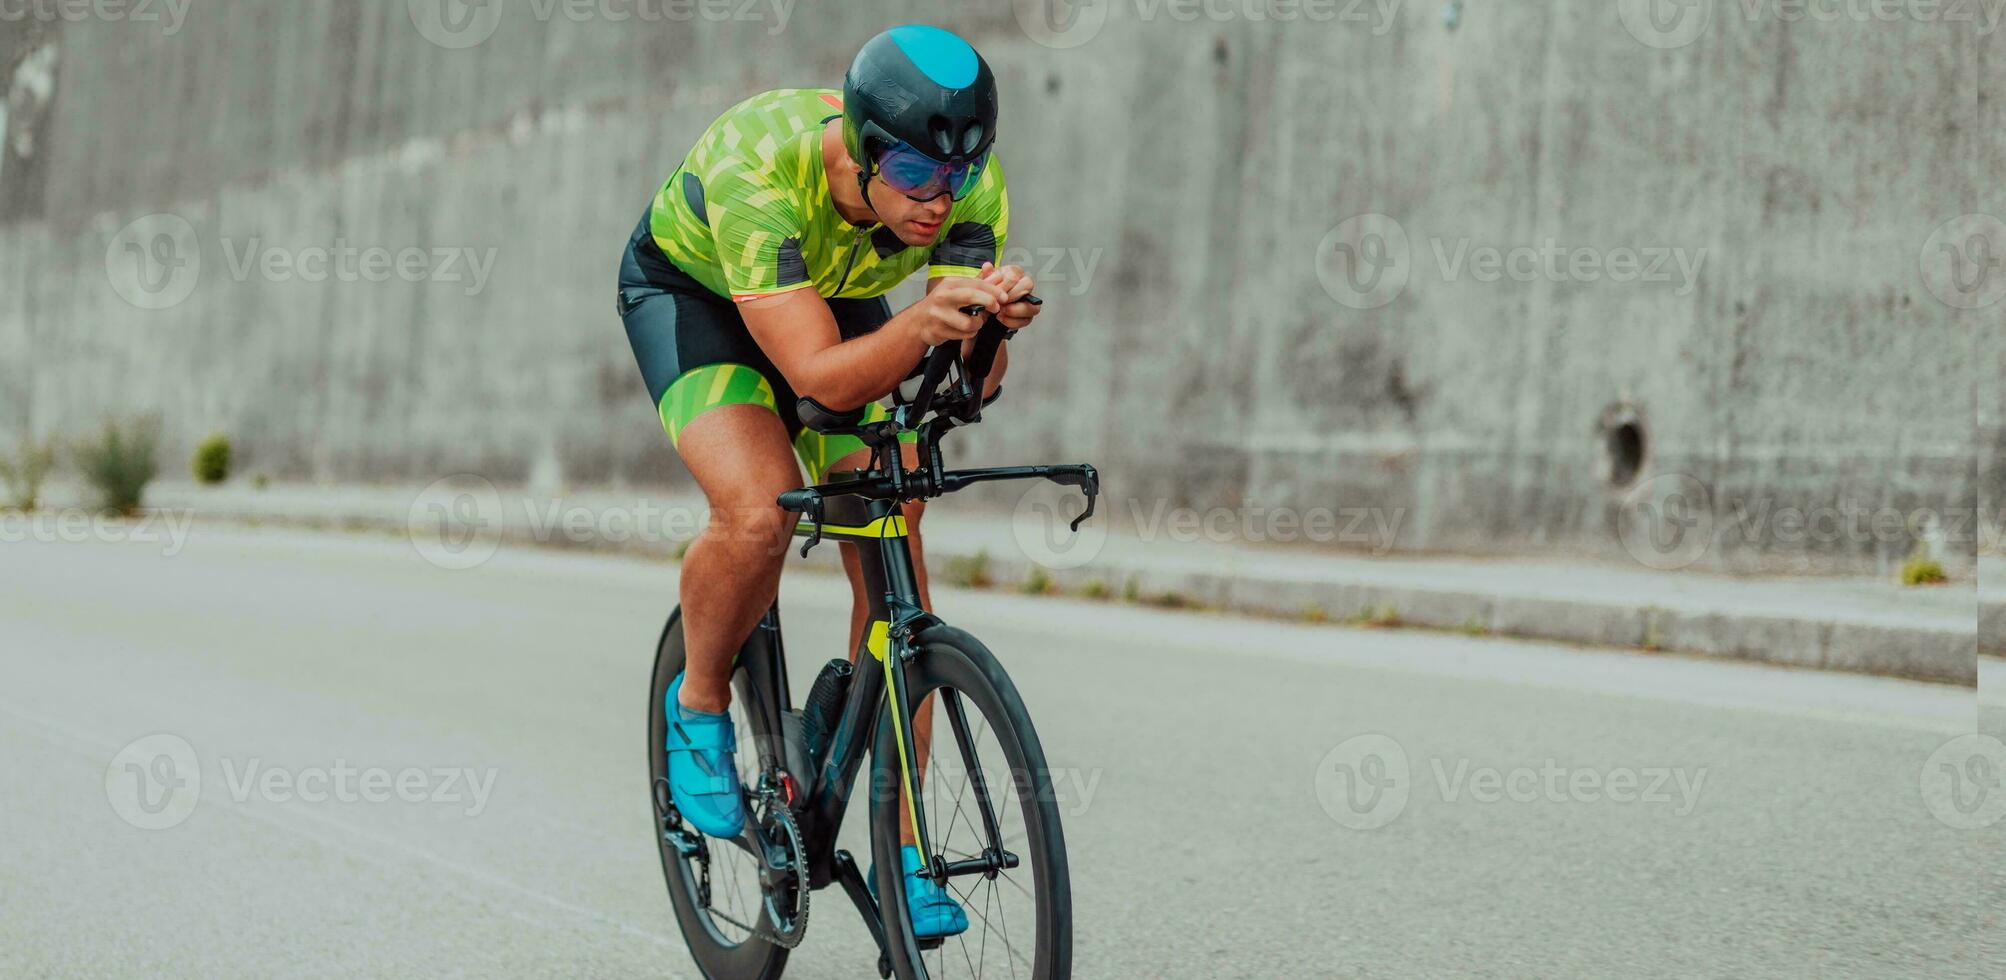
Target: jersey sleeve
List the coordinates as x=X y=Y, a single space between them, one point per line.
x=758 y=231
x=977 y=228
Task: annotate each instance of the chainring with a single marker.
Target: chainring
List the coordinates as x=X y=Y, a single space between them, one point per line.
x=784 y=876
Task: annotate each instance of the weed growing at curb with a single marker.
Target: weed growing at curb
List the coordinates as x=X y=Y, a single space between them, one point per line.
x=1923 y=571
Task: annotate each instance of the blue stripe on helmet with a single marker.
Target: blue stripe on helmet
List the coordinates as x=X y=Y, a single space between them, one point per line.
x=941 y=55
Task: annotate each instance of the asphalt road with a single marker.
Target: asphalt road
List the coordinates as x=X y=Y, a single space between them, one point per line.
x=407 y=771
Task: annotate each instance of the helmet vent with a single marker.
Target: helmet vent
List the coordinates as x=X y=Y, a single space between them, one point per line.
x=971 y=137
x=942 y=131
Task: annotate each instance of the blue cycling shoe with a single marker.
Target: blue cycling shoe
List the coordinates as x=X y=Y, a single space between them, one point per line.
x=935 y=913
x=703 y=780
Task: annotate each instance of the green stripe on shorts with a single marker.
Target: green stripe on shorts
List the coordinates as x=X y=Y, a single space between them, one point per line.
x=699 y=390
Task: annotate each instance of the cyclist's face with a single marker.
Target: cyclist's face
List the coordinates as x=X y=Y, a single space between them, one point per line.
x=916 y=223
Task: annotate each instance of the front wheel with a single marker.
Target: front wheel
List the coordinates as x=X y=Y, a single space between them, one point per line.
x=1020 y=919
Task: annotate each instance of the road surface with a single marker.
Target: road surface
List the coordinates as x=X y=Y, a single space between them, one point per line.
x=273 y=753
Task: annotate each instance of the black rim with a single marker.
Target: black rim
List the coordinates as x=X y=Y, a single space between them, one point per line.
x=727 y=948
x=1016 y=915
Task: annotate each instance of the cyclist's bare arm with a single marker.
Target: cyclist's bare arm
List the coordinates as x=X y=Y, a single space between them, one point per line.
x=799 y=333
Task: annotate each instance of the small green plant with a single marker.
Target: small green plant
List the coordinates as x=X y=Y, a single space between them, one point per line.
x=970 y=571
x=119 y=462
x=1313 y=613
x=1473 y=627
x=682 y=549
x=1382 y=616
x=1923 y=570
x=1174 y=599
x=211 y=464
x=1096 y=589
x=260 y=482
x=25 y=472
x=1039 y=582
x=1131 y=590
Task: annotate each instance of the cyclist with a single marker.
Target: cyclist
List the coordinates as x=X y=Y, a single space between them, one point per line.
x=758 y=275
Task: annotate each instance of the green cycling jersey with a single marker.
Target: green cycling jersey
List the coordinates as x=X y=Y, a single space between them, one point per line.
x=749 y=213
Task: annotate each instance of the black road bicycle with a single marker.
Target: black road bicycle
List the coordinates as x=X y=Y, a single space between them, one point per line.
x=982 y=809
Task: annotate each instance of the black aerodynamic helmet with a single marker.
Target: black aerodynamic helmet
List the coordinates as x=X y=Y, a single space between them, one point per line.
x=920 y=88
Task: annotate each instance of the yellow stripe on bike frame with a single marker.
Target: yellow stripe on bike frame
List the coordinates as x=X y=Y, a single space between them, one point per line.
x=883 y=527
x=880 y=648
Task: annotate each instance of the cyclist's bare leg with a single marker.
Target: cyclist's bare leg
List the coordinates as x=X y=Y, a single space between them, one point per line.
x=741 y=457
x=860 y=610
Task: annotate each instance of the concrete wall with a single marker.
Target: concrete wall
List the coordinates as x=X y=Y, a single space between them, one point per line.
x=1199 y=165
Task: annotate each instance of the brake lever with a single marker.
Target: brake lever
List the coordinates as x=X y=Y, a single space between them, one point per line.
x=1088 y=480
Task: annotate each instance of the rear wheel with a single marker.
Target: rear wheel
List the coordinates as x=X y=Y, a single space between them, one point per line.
x=1019 y=919
x=716 y=889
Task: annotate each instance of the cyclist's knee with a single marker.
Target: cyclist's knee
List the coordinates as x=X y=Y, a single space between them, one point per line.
x=754 y=521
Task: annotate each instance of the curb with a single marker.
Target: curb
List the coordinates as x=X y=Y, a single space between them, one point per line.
x=1940 y=648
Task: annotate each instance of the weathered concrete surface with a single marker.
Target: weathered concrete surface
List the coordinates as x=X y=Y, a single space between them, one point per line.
x=1195 y=166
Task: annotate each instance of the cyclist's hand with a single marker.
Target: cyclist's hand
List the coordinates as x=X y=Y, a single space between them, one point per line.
x=1016 y=284
x=941 y=319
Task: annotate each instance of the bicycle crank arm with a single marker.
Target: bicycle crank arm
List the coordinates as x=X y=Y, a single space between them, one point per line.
x=860 y=895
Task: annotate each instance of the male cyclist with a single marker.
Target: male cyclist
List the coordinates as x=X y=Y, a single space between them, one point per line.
x=758 y=276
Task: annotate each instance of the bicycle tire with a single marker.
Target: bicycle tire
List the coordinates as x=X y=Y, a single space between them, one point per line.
x=953 y=659
x=716 y=956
